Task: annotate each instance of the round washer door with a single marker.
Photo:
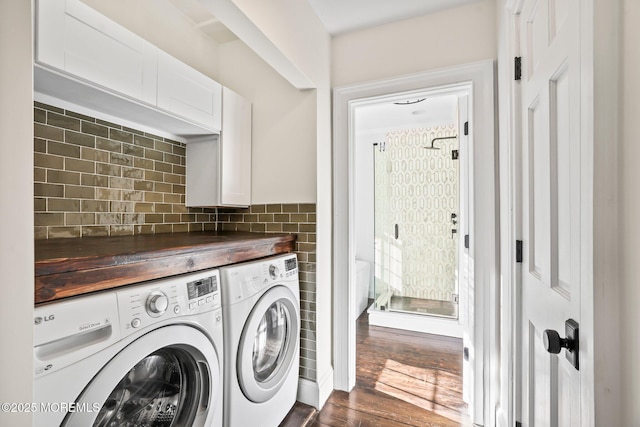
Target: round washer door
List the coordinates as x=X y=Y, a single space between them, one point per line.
x=168 y=377
x=269 y=344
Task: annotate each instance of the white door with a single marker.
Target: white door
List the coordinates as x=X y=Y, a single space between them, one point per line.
x=551 y=208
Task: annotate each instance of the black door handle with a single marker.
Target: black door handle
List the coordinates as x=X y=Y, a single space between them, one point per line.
x=554 y=344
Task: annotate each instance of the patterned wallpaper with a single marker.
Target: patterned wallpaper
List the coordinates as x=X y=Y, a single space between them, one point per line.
x=417 y=189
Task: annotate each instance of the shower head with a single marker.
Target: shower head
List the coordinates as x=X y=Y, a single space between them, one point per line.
x=437 y=139
x=431 y=147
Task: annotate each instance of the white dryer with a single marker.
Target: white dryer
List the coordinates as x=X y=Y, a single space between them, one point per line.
x=261 y=311
x=141 y=355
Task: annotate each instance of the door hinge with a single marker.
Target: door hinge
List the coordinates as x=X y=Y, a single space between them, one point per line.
x=517 y=67
x=465 y=353
x=466 y=128
x=455 y=298
x=454 y=154
x=518 y=424
x=466 y=241
x=518 y=250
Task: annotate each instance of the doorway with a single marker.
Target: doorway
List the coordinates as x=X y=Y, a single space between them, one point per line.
x=411 y=188
x=482 y=268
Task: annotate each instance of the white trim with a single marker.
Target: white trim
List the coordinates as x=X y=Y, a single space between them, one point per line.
x=483 y=230
x=507 y=411
x=313 y=394
x=416 y=322
x=325 y=388
x=308 y=392
x=76 y=108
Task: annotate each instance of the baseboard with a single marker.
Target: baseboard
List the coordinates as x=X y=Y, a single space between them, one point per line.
x=315 y=394
x=308 y=392
x=326 y=387
x=416 y=323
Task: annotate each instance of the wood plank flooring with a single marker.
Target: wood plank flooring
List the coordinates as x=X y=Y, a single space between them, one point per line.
x=403 y=379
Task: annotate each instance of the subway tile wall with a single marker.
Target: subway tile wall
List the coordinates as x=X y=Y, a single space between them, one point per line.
x=95 y=178
x=299 y=219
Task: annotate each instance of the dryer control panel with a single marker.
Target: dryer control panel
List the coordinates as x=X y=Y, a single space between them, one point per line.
x=144 y=305
x=242 y=281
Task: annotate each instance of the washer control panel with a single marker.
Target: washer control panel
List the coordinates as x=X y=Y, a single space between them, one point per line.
x=142 y=305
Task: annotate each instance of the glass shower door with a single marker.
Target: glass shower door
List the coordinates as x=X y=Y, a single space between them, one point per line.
x=416 y=217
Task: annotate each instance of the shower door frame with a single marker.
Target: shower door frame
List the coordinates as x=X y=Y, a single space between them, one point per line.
x=461 y=224
x=483 y=250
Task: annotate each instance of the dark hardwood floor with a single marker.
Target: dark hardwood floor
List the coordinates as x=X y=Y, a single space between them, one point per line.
x=403 y=379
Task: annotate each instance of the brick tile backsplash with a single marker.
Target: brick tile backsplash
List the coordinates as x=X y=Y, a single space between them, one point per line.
x=96 y=178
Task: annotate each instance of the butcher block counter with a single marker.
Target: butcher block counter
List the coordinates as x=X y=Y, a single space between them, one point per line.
x=70 y=267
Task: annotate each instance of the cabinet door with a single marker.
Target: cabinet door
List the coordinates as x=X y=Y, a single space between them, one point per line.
x=188 y=93
x=72 y=37
x=219 y=166
x=235 y=159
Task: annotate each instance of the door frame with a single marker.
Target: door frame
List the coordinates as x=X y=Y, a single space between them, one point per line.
x=483 y=231
x=452 y=327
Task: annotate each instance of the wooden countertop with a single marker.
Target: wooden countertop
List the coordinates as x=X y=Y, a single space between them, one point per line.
x=70 y=267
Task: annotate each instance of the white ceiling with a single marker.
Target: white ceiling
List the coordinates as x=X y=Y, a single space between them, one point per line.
x=340 y=16
x=204 y=20
x=384 y=116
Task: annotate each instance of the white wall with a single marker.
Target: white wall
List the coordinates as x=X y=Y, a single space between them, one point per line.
x=163 y=25
x=450 y=37
x=284 y=118
x=16 y=209
x=294 y=28
x=630 y=212
x=284 y=127
x=299 y=47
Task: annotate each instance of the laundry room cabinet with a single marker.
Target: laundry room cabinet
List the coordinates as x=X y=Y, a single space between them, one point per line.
x=81 y=56
x=76 y=39
x=219 y=166
x=187 y=93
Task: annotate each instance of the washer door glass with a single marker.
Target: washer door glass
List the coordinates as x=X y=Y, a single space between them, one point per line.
x=168 y=377
x=271 y=341
x=269 y=345
x=161 y=390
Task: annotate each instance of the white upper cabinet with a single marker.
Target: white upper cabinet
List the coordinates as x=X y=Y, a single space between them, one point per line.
x=187 y=92
x=235 y=164
x=219 y=166
x=72 y=37
x=77 y=42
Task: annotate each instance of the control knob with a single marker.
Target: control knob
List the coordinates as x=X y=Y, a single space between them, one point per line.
x=273 y=271
x=157 y=303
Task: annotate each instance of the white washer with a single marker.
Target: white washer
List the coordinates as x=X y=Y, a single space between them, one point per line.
x=141 y=355
x=261 y=310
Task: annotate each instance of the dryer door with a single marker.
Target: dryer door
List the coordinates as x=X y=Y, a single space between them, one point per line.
x=269 y=344
x=168 y=377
